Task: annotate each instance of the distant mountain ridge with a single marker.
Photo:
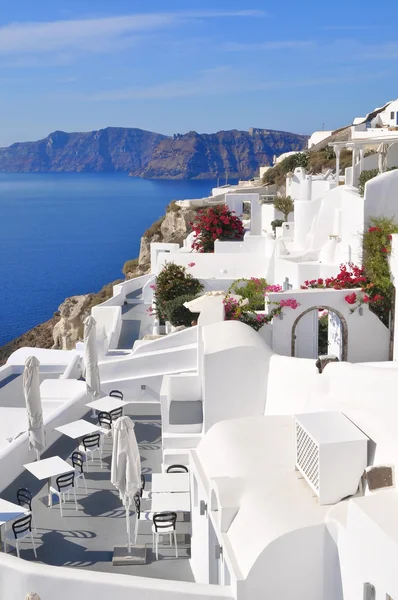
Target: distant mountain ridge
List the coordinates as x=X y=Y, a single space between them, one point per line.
x=152 y=155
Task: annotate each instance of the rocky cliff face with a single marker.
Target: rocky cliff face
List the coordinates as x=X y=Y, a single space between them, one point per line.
x=205 y=156
x=110 y=149
x=152 y=155
x=70 y=327
x=171 y=229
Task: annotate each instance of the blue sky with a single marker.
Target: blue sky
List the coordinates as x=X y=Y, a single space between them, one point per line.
x=195 y=64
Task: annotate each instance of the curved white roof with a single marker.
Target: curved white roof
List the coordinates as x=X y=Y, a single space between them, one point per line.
x=273 y=500
x=227 y=335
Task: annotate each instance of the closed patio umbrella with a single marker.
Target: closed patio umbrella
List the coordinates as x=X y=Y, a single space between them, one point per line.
x=197 y=304
x=382 y=151
x=91 y=359
x=126 y=465
x=31 y=388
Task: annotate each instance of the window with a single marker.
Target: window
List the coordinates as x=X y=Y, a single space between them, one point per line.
x=392 y=115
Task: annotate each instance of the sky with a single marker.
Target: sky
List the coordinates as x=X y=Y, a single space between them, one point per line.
x=180 y=65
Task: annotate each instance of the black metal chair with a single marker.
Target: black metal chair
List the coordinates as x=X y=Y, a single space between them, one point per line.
x=164 y=523
x=116 y=413
x=105 y=420
x=77 y=462
x=24 y=498
x=64 y=484
x=90 y=444
x=177 y=469
x=116 y=394
x=21 y=528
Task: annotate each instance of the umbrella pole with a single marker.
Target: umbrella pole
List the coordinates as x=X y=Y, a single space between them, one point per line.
x=128 y=527
x=37 y=454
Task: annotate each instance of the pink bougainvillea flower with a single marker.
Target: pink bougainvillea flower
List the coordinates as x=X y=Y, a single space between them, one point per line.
x=351 y=298
x=191 y=264
x=290 y=302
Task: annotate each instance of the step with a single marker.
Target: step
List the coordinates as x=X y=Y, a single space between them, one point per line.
x=180 y=441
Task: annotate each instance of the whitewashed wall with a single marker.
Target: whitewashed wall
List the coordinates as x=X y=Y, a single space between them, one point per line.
x=368 y=338
x=20 y=577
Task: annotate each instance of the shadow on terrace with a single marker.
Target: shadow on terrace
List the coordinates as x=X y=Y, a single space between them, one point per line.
x=86 y=538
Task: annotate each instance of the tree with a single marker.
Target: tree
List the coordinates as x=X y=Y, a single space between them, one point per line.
x=285 y=205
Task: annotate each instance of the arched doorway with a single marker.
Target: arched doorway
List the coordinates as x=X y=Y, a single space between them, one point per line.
x=310 y=337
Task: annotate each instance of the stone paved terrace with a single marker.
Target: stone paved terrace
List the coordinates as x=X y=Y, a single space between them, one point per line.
x=85 y=539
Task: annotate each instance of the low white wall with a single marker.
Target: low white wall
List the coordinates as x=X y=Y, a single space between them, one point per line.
x=14 y=456
x=368 y=338
x=381 y=196
x=219 y=265
x=19 y=577
x=109 y=322
x=128 y=286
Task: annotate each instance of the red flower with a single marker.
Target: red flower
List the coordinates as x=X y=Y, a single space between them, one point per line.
x=385 y=250
x=351 y=298
x=366 y=298
x=389 y=237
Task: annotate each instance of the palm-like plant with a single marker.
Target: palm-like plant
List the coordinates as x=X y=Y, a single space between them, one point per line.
x=285 y=205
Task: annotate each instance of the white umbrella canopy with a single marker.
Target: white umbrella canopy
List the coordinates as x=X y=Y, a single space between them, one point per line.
x=91 y=374
x=197 y=304
x=126 y=465
x=31 y=388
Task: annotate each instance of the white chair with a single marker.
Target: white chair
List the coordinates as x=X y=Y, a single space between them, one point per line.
x=21 y=528
x=90 y=444
x=65 y=484
x=77 y=462
x=139 y=515
x=164 y=523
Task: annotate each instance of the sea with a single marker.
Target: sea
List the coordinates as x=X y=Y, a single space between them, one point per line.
x=63 y=234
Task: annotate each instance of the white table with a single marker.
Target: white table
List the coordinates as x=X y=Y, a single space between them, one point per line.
x=171 y=502
x=78 y=429
x=170 y=482
x=107 y=403
x=10 y=511
x=47 y=468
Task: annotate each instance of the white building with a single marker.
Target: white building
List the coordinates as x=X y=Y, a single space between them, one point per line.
x=277 y=502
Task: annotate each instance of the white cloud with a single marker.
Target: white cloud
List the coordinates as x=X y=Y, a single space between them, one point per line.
x=274 y=45
x=225 y=79
x=99 y=34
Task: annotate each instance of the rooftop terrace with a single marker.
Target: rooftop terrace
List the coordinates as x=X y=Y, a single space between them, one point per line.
x=85 y=539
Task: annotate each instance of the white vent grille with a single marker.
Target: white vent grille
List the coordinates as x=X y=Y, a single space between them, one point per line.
x=307 y=457
x=331 y=454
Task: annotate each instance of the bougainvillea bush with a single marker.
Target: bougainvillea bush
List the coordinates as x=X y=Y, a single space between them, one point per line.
x=172 y=282
x=252 y=289
x=236 y=311
x=215 y=223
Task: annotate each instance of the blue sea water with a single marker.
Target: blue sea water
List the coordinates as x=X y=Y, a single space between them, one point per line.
x=63 y=234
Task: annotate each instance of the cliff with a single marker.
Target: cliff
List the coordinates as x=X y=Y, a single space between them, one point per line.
x=152 y=155
x=205 y=156
x=110 y=149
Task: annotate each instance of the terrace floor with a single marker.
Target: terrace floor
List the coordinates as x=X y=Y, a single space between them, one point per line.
x=86 y=538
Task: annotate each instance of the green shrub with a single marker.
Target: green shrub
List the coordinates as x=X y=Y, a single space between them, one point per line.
x=177 y=313
x=251 y=289
x=276 y=223
x=130 y=266
x=364 y=177
x=376 y=244
x=172 y=282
